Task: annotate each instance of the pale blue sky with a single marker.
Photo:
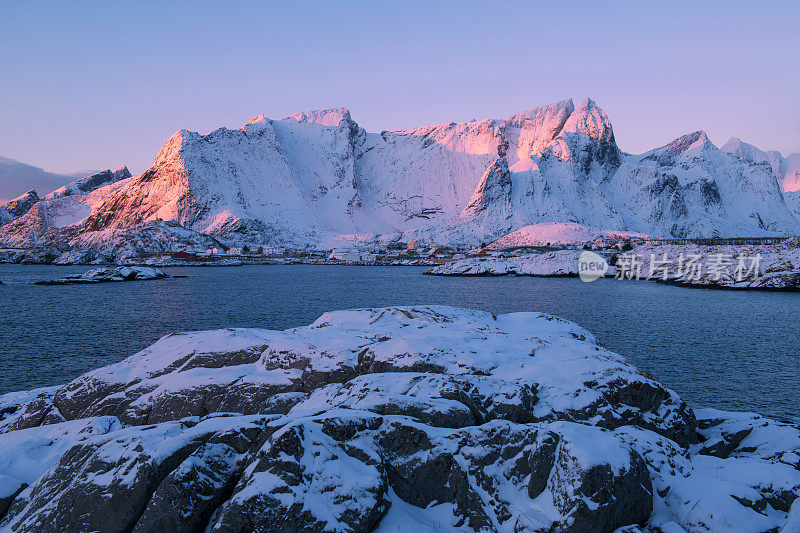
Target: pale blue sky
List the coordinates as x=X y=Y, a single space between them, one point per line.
x=101 y=84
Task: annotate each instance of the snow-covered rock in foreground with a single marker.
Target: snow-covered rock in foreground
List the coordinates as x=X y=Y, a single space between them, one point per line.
x=100 y=275
x=374 y=419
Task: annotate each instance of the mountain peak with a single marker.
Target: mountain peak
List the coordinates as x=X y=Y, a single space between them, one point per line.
x=745 y=151
x=690 y=141
x=734 y=143
x=590 y=119
x=257 y=119
x=21 y=204
x=324 y=117
x=91 y=182
x=561 y=110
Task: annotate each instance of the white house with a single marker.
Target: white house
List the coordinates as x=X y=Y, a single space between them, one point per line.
x=345 y=254
x=274 y=252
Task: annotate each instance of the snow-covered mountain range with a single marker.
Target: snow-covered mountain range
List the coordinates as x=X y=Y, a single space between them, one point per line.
x=317 y=178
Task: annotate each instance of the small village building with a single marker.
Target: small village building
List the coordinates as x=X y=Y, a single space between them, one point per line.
x=183 y=255
x=348 y=254
x=273 y=252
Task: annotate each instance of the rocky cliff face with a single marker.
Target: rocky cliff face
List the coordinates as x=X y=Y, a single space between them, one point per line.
x=312 y=176
x=19 y=206
x=375 y=419
x=89 y=183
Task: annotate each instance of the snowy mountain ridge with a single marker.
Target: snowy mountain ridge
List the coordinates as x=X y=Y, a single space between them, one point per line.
x=310 y=177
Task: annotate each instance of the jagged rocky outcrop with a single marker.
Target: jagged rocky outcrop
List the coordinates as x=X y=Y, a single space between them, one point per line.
x=20 y=205
x=378 y=418
x=90 y=183
x=16 y=176
x=16 y=208
x=311 y=177
x=53 y=224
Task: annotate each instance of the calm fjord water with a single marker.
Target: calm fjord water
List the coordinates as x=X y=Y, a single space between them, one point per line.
x=730 y=350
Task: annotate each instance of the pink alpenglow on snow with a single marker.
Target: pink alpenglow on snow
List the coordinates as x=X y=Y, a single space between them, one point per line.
x=317 y=177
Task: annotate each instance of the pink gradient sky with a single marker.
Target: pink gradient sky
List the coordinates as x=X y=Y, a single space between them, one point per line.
x=101 y=84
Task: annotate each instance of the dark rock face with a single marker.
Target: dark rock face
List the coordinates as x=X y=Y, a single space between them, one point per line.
x=541 y=462
x=601 y=497
x=19 y=206
x=90 y=183
x=464 y=419
x=293 y=461
x=187 y=497
x=10 y=495
x=121 y=471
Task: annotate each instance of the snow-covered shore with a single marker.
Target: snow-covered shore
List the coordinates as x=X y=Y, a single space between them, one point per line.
x=546 y=264
x=777 y=266
x=374 y=419
x=736 y=267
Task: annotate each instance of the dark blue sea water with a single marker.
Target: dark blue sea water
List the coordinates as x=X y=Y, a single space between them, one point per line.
x=731 y=350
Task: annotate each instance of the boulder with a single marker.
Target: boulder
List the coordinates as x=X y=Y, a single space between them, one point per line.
x=106 y=274
x=312 y=475
x=439 y=417
x=126 y=474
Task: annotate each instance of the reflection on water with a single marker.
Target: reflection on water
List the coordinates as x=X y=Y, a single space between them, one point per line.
x=716 y=348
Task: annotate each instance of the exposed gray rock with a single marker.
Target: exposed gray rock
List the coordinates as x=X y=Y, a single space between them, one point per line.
x=21 y=205
x=102 y=275
x=311 y=476
x=613 y=492
x=91 y=182
x=445 y=417
x=106 y=482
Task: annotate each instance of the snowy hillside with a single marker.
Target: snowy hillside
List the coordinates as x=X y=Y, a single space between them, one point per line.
x=319 y=177
x=556 y=233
